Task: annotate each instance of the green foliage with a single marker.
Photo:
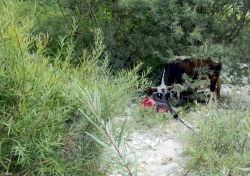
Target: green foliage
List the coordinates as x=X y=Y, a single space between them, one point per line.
x=40 y=129
x=33 y=108
x=115 y=148
x=221 y=143
x=147 y=117
x=149 y=31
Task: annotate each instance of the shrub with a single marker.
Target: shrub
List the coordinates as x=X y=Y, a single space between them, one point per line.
x=221 y=144
x=40 y=122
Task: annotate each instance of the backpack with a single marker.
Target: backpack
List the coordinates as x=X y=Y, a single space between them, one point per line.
x=158 y=100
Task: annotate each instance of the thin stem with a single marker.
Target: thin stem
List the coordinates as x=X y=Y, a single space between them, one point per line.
x=92 y=14
x=110 y=138
x=16 y=137
x=23 y=65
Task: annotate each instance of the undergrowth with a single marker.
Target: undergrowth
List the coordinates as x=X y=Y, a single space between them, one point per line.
x=147 y=117
x=42 y=131
x=221 y=143
x=56 y=117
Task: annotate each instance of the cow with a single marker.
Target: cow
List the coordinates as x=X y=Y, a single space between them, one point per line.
x=174 y=72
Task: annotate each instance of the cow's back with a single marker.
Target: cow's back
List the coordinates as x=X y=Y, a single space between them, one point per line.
x=173 y=71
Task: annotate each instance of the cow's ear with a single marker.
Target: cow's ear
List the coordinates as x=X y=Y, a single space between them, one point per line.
x=153 y=89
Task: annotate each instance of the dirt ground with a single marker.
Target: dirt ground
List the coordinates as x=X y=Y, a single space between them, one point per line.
x=159 y=150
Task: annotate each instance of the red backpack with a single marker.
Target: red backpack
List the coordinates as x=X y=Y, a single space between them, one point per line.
x=159 y=100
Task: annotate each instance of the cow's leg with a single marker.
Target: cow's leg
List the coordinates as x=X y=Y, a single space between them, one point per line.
x=212 y=95
x=218 y=87
x=211 y=99
x=216 y=93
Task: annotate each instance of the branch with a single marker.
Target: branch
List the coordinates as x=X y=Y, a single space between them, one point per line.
x=92 y=14
x=27 y=169
x=16 y=137
x=109 y=137
x=24 y=71
x=239 y=23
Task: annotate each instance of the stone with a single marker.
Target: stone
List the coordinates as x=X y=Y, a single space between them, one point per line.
x=166 y=160
x=150 y=161
x=169 y=167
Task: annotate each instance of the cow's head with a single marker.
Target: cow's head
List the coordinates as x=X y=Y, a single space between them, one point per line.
x=215 y=67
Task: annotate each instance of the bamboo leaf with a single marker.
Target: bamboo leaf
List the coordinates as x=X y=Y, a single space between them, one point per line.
x=106 y=110
x=121 y=132
x=135 y=164
x=123 y=147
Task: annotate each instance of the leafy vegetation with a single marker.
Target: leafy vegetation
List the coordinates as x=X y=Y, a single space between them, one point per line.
x=152 y=31
x=38 y=135
x=220 y=145
x=115 y=148
x=53 y=53
x=145 y=120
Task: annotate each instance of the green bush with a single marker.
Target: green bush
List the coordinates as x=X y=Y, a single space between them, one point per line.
x=221 y=144
x=147 y=117
x=41 y=131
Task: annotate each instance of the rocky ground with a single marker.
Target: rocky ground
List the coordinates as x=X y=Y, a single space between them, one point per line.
x=159 y=150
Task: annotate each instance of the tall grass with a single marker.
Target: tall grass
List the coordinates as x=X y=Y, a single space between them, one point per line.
x=221 y=145
x=41 y=129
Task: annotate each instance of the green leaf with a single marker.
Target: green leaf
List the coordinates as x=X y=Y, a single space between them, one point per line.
x=121 y=132
x=135 y=164
x=106 y=146
x=120 y=166
x=91 y=121
x=245 y=169
x=106 y=110
x=123 y=147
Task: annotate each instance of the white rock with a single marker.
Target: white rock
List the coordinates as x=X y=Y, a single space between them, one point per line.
x=150 y=161
x=169 y=167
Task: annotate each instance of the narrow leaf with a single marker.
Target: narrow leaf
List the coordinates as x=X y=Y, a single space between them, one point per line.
x=135 y=164
x=106 y=110
x=91 y=121
x=121 y=132
x=103 y=144
x=119 y=166
x=245 y=169
x=123 y=147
